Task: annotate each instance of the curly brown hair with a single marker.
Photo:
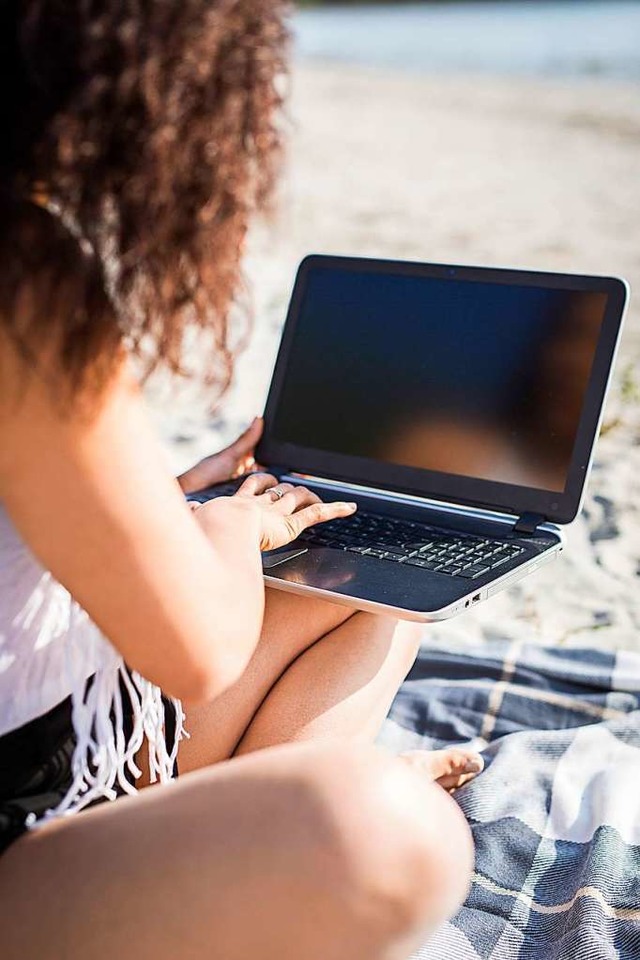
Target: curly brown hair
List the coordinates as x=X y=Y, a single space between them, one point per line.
x=148 y=133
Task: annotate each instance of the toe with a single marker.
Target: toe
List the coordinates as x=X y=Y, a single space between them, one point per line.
x=451 y=768
x=464 y=767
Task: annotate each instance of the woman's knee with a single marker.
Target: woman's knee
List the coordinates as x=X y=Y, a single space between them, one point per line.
x=403 y=636
x=399 y=850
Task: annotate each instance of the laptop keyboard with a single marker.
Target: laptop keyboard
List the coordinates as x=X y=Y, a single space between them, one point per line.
x=402 y=541
x=416 y=544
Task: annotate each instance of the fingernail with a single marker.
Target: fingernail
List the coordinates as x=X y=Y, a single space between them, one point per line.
x=353 y=506
x=474 y=765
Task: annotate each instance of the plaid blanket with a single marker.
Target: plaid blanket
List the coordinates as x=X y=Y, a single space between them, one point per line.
x=556 y=814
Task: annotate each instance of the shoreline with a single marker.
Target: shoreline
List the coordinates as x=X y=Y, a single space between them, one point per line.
x=557 y=38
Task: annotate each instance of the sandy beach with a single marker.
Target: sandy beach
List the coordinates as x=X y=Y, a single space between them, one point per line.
x=541 y=173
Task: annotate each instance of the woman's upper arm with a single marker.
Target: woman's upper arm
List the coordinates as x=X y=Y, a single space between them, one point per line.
x=93 y=497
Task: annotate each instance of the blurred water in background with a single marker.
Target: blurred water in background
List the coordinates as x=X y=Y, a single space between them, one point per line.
x=575 y=37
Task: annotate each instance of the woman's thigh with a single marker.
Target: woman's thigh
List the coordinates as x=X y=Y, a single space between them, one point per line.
x=297 y=852
x=292 y=623
x=339 y=689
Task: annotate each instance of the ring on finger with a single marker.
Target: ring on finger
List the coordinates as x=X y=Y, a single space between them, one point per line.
x=278 y=494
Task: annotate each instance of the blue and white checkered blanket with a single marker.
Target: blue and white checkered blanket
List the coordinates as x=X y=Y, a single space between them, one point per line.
x=556 y=814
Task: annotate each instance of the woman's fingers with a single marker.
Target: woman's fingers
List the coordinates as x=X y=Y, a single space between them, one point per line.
x=244 y=445
x=297 y=506
x=256 y=484
x=284 y=496
x=234 y=461
x=243 y=466
x=318 y=513
x=288 y=509
x=294 y=498
x=276 y=494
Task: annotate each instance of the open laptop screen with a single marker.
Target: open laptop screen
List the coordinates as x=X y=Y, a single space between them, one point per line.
x=451 y=375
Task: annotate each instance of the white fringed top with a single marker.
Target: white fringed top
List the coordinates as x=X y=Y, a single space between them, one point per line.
x=49 y=647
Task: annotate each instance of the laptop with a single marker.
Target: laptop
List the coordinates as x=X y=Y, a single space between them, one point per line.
x=457 y=406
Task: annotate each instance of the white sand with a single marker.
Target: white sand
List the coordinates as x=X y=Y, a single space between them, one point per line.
x=470 y=170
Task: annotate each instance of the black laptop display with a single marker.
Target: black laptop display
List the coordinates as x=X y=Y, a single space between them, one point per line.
x=453 y=382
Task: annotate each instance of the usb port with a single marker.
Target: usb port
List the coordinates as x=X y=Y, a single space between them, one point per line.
x=476 y=598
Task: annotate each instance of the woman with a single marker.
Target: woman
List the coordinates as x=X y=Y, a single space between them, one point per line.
x=138 y=140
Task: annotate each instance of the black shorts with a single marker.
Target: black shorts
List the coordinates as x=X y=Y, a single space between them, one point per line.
x=35 y=766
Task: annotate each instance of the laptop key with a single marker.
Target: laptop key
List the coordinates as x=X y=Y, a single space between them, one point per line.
x=498 y=561
x=425 y=564
x=473 y=571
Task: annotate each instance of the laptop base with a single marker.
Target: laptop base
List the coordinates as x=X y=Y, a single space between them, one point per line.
x=400 y=589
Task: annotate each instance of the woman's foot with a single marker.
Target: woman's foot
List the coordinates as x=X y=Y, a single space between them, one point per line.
x=451 y=768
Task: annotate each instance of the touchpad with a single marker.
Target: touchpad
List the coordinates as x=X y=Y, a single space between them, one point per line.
x=271 y=558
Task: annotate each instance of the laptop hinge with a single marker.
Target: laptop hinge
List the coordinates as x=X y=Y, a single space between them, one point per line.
x=527 y=524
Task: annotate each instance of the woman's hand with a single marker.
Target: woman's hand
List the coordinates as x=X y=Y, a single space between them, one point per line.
x=234 y=461
x=284 y=510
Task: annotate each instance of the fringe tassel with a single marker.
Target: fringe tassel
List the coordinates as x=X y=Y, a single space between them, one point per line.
x=102 y=755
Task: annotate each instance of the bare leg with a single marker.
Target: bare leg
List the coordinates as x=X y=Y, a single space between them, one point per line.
x=365 y=662
x=340 y=688
x=308 y=851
